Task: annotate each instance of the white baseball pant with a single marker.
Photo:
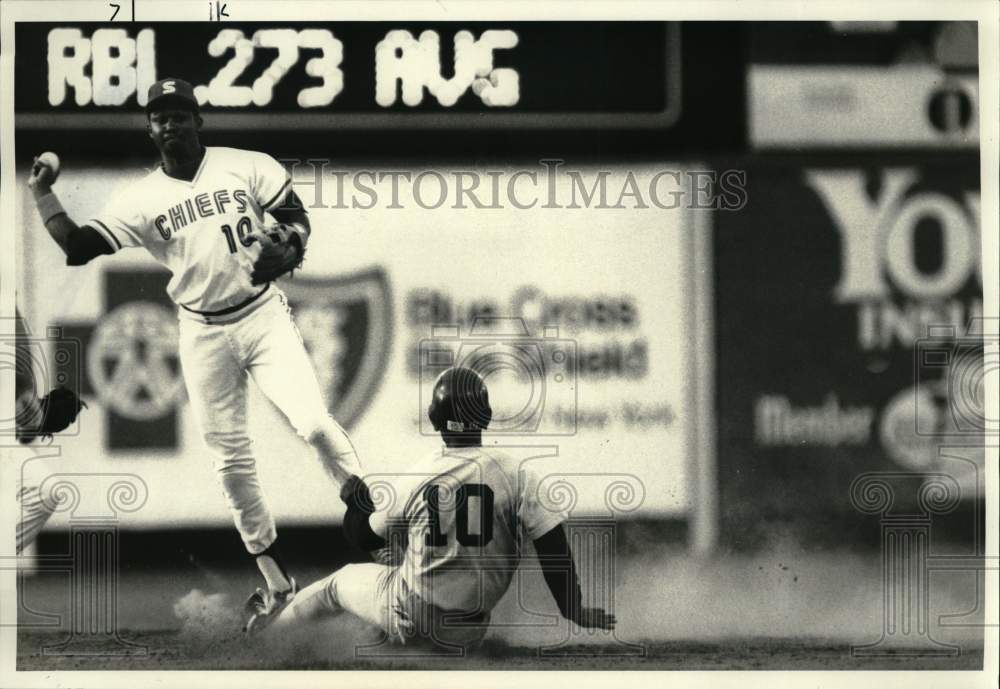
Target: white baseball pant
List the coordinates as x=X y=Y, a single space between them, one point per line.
x=261 y=341
x=36 y=502
x=374 y=592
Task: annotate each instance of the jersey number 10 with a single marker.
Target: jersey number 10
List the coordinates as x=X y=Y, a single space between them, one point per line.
x=243 y=228
x=434 y=536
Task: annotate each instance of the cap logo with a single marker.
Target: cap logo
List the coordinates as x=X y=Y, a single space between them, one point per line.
x=168 y=87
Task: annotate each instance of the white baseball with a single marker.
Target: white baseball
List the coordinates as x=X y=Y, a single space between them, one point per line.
x=51 y=161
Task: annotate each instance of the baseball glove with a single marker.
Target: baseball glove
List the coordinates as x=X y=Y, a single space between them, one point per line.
x=57 y=410
x=281 y=252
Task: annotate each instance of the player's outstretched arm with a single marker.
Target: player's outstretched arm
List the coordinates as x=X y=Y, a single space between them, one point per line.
x=559 y=570
x=80 y=244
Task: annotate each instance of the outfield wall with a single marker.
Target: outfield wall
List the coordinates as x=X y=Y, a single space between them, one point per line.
x=608 y=296
x=850 y=326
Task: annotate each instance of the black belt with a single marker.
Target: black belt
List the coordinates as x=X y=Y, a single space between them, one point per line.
x=231 y=309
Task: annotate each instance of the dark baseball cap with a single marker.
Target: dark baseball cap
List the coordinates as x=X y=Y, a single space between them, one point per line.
x=175 y=92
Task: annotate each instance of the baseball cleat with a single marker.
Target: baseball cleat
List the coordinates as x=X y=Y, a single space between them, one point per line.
x=264 y=606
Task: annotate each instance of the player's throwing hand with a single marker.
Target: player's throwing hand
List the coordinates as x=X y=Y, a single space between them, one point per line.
x=44 y=172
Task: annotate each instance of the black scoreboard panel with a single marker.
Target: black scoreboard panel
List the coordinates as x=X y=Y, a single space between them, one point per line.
x=587 y=74
x=386 y=88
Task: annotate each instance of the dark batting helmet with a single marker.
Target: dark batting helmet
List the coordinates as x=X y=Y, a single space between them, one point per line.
x=460 y=402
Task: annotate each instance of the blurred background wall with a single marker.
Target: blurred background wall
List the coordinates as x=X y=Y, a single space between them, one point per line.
x=745 y=366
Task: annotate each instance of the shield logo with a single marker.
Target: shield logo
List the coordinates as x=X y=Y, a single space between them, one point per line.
x=346 y=325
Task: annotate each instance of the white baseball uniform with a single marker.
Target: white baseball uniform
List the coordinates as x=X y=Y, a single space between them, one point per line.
x=465 y=514
x=229 y=328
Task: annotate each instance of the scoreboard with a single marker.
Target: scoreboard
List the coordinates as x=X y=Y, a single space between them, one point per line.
x=512 y=75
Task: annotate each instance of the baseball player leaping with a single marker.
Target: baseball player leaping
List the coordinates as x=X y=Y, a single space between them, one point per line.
x=203 y=213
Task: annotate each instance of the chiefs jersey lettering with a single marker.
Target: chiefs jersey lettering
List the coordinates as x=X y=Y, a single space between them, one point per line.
x=204 y=205
x=197 y=228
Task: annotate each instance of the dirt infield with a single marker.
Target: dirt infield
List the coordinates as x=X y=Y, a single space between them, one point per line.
x=168 y=650
x=785 y=610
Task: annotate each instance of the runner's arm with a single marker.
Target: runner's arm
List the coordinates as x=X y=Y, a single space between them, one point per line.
x=559 y=571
